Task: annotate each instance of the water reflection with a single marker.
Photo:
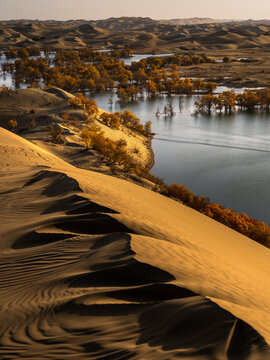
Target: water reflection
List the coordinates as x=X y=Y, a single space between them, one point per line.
x=224 y=157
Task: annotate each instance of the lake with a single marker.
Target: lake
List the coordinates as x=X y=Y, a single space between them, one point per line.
x=223 y=157
x=226 y=158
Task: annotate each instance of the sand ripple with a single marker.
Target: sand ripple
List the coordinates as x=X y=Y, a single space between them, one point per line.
x=72 y=288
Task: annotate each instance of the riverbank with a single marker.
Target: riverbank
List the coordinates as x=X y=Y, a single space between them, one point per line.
x=76 y=130
x=47 y=119
x=254 y=72
x=221 y=156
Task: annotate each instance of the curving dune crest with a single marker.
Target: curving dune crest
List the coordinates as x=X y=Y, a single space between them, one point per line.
x=94 y=267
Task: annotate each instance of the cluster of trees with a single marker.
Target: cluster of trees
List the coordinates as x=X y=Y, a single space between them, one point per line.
x=27 y=70
x=243 y=224
x=158 y=62
x=115 y=152
x=87 y=70
x=110 y=120
x=127 y=118
x=4 y=89
x=229 y=101
x=22 y=52
x=25 y=52
x=79 y=101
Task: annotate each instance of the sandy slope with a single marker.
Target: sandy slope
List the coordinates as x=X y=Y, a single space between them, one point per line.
x=94 y=267
x=47 y=107
x=169 y=36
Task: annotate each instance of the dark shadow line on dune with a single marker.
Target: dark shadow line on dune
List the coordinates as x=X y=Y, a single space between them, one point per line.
x=34 y=239
x=152 y=292
x=198 y=326
x=132 y=273
x=60 y=183
x=92 y=224
x=76 y=205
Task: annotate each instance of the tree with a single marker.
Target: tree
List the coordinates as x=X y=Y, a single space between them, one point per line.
x=151 y=88
x=210 y=87
x=110 y=120
x=91 y=107
x=182 y=193
x=198 y=84
x=86 y=136
x=205 y=104
x=148 y=128
x=12 y=124
x=55 y=132
x=22 y=53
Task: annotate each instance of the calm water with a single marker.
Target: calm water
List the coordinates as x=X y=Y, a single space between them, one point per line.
x=137 y=57
x=6 y=79
x=226 y=158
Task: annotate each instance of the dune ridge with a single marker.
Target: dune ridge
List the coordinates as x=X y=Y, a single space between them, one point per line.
x=96 y=267
x=159 y=36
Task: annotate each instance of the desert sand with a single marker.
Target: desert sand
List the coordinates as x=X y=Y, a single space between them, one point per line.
x=144 y=34
x=46 y=107
x=96 y=267
x=236 y=39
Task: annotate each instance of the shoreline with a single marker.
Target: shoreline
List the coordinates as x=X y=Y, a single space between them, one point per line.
x=151 y=161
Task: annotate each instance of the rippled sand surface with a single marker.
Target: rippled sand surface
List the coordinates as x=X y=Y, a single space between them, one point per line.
x=94 y=267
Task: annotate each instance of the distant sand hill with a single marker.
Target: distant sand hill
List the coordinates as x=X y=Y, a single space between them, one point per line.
x=158 y=36
x=96 y=267
x=196 y=20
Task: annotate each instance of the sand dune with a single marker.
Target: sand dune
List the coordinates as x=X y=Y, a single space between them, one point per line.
x=241 y=39
x=94 y=267
x=46 y=107
x=207 y=34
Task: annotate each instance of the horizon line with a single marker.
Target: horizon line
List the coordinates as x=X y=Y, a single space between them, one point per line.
x=142 y=17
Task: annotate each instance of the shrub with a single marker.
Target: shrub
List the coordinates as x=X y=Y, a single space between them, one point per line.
x=148 y=128
x=110 y=120
x=32 y=122
x=114 y=151
x=136 y=150
x=4 y=89
x=91 y=107
x=80 y=102
x=182 y=193
x=121 y=143
x=55 y=132
x=65 y=117
x=86 y=136
x=12 y=124
x=77 y=101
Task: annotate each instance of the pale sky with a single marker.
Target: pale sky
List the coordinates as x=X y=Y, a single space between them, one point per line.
x=156 y=9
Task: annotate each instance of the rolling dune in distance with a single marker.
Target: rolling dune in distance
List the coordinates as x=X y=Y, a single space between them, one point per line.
x=158 y=36
x=248 y=39
x=95 y=267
